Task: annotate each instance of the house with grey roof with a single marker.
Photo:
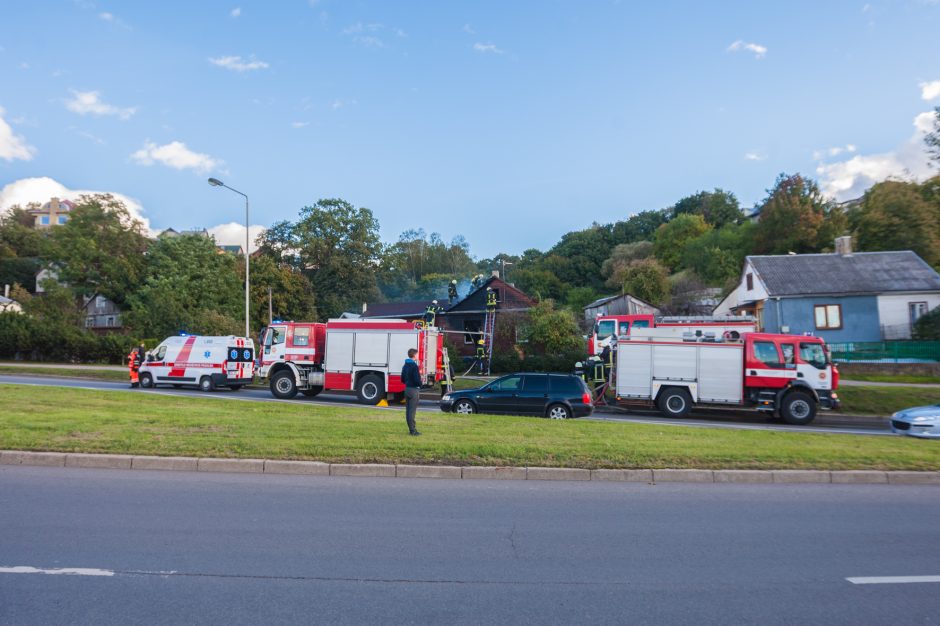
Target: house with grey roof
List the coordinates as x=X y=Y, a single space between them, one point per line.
x=842 y=296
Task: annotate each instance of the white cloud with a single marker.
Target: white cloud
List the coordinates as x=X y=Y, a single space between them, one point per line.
x=236 y=12
x=754 y=156
x=89 y=102
x=13 y=147
x=299 y=124
x=469 y=29
x=930 y=91
x=107 y=17
x=758 y=50
x=236 y=64
x=819 y=155
x=486 y=48
x=233 y=234
x=848 y=179
x=41 y=189
x=360 y=31
x=176 y=155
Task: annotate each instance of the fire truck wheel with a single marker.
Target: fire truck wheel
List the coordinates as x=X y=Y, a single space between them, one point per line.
x=465 y=407
x=370 y=389
x=206 y=384
x=283 y=385
x=798 y=408
x=674 y=402
x=146 y=381
x=313 y=391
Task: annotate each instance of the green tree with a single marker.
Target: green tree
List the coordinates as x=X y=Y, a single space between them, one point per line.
x=932 y=138
x=291 y=293
x=672 y=237
x=100 y=250
x=21 y=247
x=796 y=217
x=552 y=330
x=718 y=207
x=639 y=227
x=187 y=286
x=895 y=216
x=927 y=328
x=718 y=255
x=579 y=297
x=539 y=283
x=646 y=279
x=337 y=247
x=621 y=256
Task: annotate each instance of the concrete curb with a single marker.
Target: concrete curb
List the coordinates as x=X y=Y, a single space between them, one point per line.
x=376 y=470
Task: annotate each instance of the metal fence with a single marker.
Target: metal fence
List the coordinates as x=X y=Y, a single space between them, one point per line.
x=886 y=351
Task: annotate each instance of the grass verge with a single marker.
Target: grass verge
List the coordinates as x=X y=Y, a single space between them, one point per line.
x=884 y=401
x=89 y=374
x=78 y=420
x=891 y=378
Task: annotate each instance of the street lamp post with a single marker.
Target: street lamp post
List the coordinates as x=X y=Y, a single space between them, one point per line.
x=215 y=182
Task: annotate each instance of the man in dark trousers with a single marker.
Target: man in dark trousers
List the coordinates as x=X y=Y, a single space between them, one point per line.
x=412 y=380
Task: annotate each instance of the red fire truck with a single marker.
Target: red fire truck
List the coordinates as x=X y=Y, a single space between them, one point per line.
x=790 y=376
x=608 y=327
x=364 y=356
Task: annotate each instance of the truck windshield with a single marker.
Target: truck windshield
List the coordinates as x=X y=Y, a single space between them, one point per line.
x=814 y=354
x=605 y=328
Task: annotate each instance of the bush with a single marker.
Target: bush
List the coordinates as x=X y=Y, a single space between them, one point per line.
x=24 y=337
x=564 y=363
x=927 y=327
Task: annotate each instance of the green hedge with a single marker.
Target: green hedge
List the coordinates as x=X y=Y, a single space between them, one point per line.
x=510 y=362
x=24 y=337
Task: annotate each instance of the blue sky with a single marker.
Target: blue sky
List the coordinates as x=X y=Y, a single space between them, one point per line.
x=507 y=122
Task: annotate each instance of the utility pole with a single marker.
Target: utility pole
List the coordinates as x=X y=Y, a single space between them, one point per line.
x=270 y=308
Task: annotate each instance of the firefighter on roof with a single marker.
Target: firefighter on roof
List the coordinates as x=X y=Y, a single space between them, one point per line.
x=431 y=314
x=452 y=291
x=490 y=300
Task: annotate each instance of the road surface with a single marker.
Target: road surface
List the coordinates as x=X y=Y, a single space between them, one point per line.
x=173 y=548
x=705 y=419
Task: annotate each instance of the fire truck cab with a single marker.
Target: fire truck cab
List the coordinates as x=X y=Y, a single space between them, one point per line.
x=364 y=356
x=789 y=376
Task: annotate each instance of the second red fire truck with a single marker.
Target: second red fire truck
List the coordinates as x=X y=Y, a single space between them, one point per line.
x=358 y=355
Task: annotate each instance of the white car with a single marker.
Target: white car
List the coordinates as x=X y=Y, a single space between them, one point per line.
x=920 y=421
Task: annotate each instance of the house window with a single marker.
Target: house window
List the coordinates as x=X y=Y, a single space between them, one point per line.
x=472 y=330
x=44 y=220
x=828 y=316
x=89 y=321
x=111 y=322
x=750 y=281
x=99 y=303
x=62 y=219
x=916 y=310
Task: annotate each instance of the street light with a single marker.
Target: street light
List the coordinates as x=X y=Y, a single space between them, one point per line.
x=215 y=182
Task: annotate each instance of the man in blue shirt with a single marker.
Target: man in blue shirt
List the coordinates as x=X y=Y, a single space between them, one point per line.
x=412 y=380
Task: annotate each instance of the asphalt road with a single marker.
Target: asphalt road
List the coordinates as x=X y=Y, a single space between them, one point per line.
x=704 y=419
x=177 y=548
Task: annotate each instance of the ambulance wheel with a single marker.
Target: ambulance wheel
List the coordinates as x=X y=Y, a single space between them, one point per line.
x=674 y=402
x=798 y=408
x=206 y=384
x=283 y=385
x=370 y=389
x=313 y=391
x=146 y=381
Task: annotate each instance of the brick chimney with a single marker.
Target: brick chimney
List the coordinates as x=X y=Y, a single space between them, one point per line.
x=844 y=245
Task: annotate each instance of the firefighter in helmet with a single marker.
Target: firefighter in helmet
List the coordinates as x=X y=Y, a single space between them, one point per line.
x=481 y=355
x=430 y=314
x=452 y=291
x=490 y=300
x=134 y=359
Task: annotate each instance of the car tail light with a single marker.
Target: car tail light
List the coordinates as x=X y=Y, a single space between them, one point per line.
x=586 y=398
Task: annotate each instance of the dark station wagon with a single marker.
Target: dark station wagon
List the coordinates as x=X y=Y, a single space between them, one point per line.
x=556 y=396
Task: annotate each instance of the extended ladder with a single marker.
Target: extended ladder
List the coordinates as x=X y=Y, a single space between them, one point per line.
x=447 y=382
x=488 y=335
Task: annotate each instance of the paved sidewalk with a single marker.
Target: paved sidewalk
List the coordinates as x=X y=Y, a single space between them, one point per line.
x=63 y=366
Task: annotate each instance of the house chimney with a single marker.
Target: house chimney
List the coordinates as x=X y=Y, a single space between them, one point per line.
x=496 y=273
x=844 y=245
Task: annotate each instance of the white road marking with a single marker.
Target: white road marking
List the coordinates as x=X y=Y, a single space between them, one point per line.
x=69 y=571
x=892 y=580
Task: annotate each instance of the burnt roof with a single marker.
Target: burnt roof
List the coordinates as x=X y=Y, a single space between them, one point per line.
x=858 y=273
x=397 y=309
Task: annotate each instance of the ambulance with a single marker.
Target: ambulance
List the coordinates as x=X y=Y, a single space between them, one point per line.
x=206 y=362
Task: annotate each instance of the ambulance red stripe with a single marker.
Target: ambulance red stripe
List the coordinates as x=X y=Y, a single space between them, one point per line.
x=183 y=357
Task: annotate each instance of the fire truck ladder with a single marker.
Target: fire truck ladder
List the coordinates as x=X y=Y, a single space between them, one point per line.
x=488 y=327
x=448 y=382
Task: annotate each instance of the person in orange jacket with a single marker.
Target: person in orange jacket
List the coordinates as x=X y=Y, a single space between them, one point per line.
x=134 y=359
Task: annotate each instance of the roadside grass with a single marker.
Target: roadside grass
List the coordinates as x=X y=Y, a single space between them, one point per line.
x=884 y=401
x=89 y=373
x=79 y=420
x=892 y=378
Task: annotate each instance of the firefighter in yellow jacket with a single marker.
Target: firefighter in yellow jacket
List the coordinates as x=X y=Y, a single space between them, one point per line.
x=481 y=356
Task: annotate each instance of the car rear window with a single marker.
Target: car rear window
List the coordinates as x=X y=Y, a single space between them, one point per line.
x=535 y=384
x=567 y=385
